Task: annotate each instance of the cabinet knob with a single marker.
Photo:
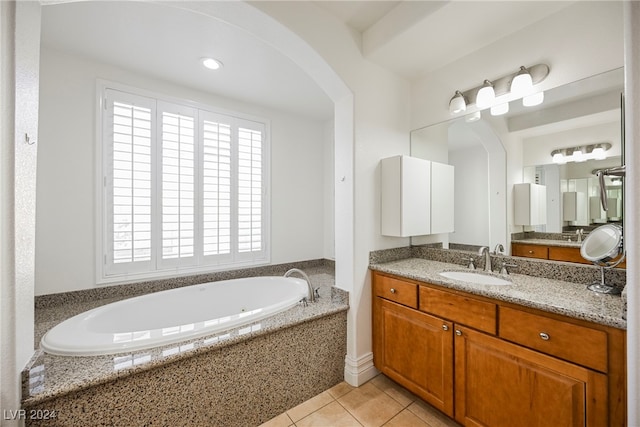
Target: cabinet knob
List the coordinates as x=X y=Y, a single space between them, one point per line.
x=445 y=328
x=393 y=291
x=544 y=336
x=530 y=252
x=458 y=332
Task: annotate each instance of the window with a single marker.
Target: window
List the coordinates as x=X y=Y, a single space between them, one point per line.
x=184 y=188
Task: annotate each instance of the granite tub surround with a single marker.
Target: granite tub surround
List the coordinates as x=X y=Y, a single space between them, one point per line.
x=242 y=376
x=552 y=295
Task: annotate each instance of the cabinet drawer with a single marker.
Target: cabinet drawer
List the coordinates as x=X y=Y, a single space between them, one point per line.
x=459 y=309
x=530 y=251
x=558 y=253
x=578 y=344
x=399 y=291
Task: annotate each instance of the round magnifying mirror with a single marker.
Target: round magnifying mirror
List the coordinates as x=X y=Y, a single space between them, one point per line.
x=602 y=244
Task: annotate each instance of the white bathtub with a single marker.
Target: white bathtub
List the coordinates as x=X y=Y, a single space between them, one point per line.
x=175 y=315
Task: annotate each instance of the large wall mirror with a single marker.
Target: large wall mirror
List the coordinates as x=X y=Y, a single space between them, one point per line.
x=583 y=113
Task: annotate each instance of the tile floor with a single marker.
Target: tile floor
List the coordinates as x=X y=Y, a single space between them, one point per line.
x=379 y=402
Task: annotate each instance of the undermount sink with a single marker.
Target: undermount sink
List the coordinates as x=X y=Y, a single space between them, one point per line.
x=476 y=278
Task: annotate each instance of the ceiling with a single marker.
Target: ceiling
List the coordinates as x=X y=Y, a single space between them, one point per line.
x=167 y=43
x=411 y=38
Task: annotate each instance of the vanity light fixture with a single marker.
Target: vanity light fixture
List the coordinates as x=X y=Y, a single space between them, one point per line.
x=512 y=86
x=457 y=103
x=486 y=95
x=210 y=63
x=580 y=153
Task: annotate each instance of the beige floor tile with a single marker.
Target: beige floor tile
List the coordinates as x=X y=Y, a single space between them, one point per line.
x=399 y=393
x=340 y=390
x=370 y=405
x=281 y=420
x=430 y=415
x=331 y=415
x=311 y=405
x=406 y=418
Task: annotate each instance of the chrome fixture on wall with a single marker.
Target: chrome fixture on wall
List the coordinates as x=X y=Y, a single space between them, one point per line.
x=581 y=153
x=520 y=84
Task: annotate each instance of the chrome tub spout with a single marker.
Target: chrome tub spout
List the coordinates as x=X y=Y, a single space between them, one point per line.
x=312 y=294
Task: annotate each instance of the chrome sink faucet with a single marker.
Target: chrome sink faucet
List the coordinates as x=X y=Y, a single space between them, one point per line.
x=484 y=250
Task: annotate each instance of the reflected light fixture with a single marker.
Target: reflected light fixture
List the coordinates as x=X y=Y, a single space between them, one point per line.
x=500 y=109
x=457 y=104
x=210 y=63
x=533 y=100
x=581 y=153
x=486 y=95
x=522 y=83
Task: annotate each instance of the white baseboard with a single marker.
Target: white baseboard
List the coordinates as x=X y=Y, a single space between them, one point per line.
x=359 y=371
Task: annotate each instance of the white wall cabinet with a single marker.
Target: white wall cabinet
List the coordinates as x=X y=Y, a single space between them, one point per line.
x=416 y=197
x=575 y=207
x=530 y=204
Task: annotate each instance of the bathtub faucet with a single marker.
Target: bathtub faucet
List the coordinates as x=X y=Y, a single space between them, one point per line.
x=312 y=294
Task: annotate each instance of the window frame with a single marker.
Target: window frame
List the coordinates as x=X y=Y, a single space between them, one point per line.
x=170 y=269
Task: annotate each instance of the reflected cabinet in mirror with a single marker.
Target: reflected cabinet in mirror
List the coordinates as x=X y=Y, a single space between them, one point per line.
x=556 y=145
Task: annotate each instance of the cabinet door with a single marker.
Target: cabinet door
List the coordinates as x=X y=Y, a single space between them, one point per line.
x=502 y=384
x=415 y=350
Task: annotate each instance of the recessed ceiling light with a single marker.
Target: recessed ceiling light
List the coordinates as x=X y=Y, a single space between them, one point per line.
x=212 y=64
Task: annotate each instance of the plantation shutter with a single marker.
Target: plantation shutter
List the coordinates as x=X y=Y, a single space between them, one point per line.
x=250 y=188
x=216 y=186
x=128 y=134
x=178 y=186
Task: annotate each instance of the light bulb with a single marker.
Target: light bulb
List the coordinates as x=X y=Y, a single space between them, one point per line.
x=599 y=153
x=473 y=117
x=457 y=103
x=486 y=95
x=559 y=159
x=532 y=100
x=578 y=156
x=211 y=63
x=522 y=84
x=500 y=109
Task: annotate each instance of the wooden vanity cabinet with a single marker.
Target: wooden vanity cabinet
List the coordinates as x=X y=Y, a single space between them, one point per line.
x=413 y=348
x=489 y=363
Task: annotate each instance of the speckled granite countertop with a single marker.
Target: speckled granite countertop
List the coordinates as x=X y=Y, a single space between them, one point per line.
x=554 y=296
x=48 y=375
x=549 y=242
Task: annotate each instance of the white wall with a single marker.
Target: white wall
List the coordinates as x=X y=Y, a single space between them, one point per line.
x=65 y=257
x=19 y=42
x=329 y=192
x=380 y=129
x=632 y=205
